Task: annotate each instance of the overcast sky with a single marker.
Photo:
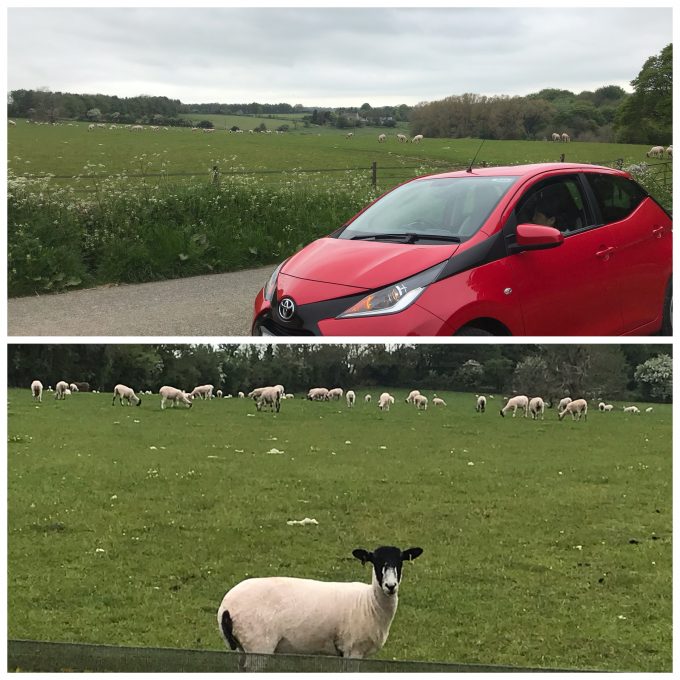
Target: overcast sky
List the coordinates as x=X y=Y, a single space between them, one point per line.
x=329 y=56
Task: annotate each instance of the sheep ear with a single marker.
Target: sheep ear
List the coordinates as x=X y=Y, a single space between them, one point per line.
x=411 y=554
x=363 y=555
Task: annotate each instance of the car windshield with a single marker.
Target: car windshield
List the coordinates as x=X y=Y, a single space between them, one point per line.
x=435 y=210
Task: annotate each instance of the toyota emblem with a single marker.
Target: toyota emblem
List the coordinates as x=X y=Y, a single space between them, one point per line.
x=286 y=309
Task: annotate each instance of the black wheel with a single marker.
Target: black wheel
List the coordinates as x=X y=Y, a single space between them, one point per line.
x=471 y=330
x=667 y=322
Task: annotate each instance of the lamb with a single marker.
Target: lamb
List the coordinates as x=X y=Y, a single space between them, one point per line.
x=60 y=390
x=565 y=137
x=318 y=394
x=349 y=135
x=351 y=398
x=367 y=399
x=608 y=407
x=281 y=614
x=578 y=407
x=655 y=152
x=601 y=406
x=127 y=393
x=73 y=387
x=174 y=395
x=336 y=393
x=290 y=396
x=241 y=395
x=417 y=139
x=556 y=137
x=11 y=122
x=631 y=409
x=438 y=401
x=669 y=151
x=385 y=401
x=411 y=396
x=536 y=408
x=481 y=404
x=421 y=402
x=382 y=138
x=36 y=390
x=649 y=409
x=269 y=396
x=219 y=394
x=402 y=138
x=514 y=403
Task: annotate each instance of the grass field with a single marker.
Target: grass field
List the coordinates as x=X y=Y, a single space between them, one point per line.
x=545 y=543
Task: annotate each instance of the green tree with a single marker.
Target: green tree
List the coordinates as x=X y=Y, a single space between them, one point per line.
x=655 y=378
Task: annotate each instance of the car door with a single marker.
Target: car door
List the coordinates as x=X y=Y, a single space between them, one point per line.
x=566 y=290
x=642 y=260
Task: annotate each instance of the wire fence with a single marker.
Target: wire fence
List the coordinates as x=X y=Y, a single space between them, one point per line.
x=49 y=657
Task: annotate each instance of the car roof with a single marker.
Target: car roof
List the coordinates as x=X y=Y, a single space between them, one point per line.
x=529 y=170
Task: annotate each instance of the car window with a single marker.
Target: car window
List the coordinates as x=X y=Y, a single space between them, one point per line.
x=616 y=197
x=444 y=206
x=557 y=202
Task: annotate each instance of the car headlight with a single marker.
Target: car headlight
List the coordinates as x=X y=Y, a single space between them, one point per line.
x=394 y=298
x=270 y=287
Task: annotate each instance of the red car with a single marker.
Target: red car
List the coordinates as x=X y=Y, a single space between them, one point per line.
x=546 y=249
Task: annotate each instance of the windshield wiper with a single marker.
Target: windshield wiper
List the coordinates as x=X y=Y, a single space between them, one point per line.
x=409 y=237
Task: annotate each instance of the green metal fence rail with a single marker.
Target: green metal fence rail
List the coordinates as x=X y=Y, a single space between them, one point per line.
x=45 y=657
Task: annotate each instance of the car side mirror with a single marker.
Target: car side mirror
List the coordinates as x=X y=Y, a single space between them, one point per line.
x=536 y=237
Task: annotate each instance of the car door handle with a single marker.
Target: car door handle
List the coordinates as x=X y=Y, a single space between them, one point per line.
x=658 y=231
x=605 y=253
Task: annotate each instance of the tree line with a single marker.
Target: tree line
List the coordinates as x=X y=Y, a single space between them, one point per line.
x=551 y=371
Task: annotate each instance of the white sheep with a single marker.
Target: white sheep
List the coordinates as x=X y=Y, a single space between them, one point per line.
x=514 y=403
x=367 y=399
x=241 y=395
x=336 y=393
x=349 y=135
x=577 y=408
x=382 y=138
x=563 y=403
x=281 y=614
x=649 y=409
x=556 y=137
x=655 y=152
x=420 y=401
x=202 y=391
x=269 y=396
x=385 y=401
x=351 y=397
x=601 y=406
x=631 y=409
x=608 y=407
x=36 y=390
x=669 y=151
x=73 y=387
x=402 y=138
x=60 y=390
x=481 y=404
x=536 y=408
x=412 y=396
x=565 y=137
x=127 y=393
x=219 y=394
x=290 y=396
x=438 y=401
x=318 y=394
x=174 y=395
x=11 y=122
x=417 y=139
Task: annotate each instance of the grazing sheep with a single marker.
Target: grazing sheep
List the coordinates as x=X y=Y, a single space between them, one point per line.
x=649 y=409
x=563 y=403
x=91 y=126
x=565 y=137
x=36 y=390
x=73 y=387
x=202 y=391
x=601 y=406
x=382 y=138
x=417 y=139
x=219 y=394
x=127 y=393
x=412 y=396
x=349 y=135
x=174 y=395
x=420 y=401
x=136 y=128
x=269 y=396
x=669 y=151
x=60 y=390
x=318 y=394
x=351 y=398
x=402 y=138
x=385 y=401
x=284 y=615
x=577 y=408
x=241 y=395
x=367 y=399
x=536 y=408
x=438 y=401
x=514 y=403
x=556 y=137
x=336 y=393
x=290 y=396
x=655 y=152
x=631 y=409
x=481 y=404
x=608 y=407
x=11 y=122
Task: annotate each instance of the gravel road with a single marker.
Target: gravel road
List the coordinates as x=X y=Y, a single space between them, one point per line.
x=218 y=305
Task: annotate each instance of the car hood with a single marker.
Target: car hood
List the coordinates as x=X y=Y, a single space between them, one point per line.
x=364 y=264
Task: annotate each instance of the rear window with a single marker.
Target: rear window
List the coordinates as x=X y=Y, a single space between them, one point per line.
x=616 y=197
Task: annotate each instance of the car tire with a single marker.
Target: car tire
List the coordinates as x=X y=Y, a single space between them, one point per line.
x=667 y=321
x=471 y=330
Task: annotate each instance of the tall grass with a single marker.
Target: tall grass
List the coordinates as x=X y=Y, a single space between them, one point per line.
x=58 y=240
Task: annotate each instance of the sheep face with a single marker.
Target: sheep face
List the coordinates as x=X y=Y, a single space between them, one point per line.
x=387 y=562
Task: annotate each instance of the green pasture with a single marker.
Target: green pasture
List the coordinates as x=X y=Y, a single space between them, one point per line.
x=545 y=543
x=73 y=150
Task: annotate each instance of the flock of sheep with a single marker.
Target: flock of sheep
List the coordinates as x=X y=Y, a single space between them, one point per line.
x=270 y=398
x=658 y=152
